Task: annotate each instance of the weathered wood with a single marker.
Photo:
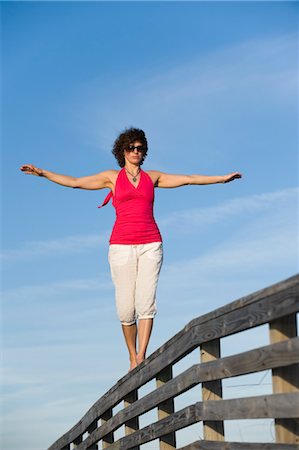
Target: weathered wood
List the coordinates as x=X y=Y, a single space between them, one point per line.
x=212 y=445
x=92 y=427
x=276 y=405
x=131 y=424
x=289 y=285
x=77 y=441
x=283 y=353
x=165 y=408
x=258 y=308
x=212 y=390
x=267 y=406
x=285 y=379
x=175 y=421
x=109 y=437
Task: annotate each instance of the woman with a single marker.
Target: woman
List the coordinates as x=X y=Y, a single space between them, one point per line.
x=135 y=251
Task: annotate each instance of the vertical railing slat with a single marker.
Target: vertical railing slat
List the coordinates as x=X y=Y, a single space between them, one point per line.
x=212 y=390
x=276 y=306
x=167 y=442
x=89 y=430
x=109 y=438
x=285 y=379
x=132 y=424
x=77 y=441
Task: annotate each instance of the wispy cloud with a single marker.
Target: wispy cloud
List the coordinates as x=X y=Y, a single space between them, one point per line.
x=259 y=253
x=194 y=286
x=195 y=91
x=55 y=289
x=239 y=255
x=53 y=247
x=184 y=221
x=188 y=220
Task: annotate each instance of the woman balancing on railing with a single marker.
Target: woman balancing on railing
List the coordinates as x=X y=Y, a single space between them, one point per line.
x=135 y=251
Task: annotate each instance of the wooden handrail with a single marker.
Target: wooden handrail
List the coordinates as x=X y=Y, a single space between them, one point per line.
x=275 y=405
x=212 y=445
x=268 y=357
x=265 y=306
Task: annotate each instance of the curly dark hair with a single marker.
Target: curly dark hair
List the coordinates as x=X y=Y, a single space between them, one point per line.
x=127 y=137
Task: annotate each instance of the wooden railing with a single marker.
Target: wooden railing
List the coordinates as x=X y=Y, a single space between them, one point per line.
x=277 y=306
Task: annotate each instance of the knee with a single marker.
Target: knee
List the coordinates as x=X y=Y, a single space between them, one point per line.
x=127 y=324
x=126 y=314
x=146 y=309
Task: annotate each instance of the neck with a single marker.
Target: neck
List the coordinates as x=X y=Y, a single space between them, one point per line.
x=133 y=168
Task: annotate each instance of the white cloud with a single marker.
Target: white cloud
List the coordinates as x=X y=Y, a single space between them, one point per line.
x=179 y=222
x=63 y=245
x=56 y=289
x=261 y=246
x=191 y=219
x=257 y=251
x=190 y=96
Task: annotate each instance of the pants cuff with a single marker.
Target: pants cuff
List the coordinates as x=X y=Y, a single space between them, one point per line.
x=151 y=316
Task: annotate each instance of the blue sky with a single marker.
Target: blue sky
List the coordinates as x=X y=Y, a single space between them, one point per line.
x=214 y=86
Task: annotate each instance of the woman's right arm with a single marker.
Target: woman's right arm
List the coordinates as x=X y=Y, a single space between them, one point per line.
x=98 y=181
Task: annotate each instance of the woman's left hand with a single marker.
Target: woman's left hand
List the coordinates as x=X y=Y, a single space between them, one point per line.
x=231 y=177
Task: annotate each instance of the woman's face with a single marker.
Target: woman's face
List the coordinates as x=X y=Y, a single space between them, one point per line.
x=134 y=153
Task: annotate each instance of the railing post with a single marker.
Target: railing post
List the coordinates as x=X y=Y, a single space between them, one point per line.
x=285 y=379
x=132 y=424
x=93 y=426
x=77 y=441
x=212 y=390
x=166 y=408
x=109 y=438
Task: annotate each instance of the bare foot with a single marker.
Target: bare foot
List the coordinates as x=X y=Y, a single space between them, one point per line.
x=140 y=358
x=133 y=364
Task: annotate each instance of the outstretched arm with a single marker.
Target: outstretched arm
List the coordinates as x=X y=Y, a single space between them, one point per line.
x=166 y=180
x=97 y=181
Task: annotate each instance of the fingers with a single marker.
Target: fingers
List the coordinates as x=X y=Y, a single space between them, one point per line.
x=236 y=175
x=30 y=169
x=26 y=167
x=233 y=176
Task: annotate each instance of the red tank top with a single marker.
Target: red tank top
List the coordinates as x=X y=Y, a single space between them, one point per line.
x=135 y=223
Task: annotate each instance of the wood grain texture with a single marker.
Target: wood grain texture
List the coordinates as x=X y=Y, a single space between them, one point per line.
x=109 y=437
x=165 y=408
x=258 y=308
x=175 y=421
x=285 y=379
x=259 y=407
x=212 y=390
x=132 y=423
x=78 y=441
x=92 y=427
x=211 y=445
x=267 y=357
x=270 y=406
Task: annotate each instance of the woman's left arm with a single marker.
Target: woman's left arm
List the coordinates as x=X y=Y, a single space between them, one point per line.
x=167 y=180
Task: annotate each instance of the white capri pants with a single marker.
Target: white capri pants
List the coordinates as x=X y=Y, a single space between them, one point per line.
x=135 y=271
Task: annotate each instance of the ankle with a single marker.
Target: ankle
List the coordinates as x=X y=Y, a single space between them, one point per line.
x=140 y=357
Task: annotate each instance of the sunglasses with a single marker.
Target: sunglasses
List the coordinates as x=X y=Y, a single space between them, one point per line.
x=139 y=148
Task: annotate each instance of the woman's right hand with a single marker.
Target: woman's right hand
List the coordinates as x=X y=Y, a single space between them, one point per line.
x=98 y=181
x=30 y=169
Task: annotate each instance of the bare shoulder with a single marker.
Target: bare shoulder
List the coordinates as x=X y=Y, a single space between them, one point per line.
x=154 y=175
x=110 y=174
